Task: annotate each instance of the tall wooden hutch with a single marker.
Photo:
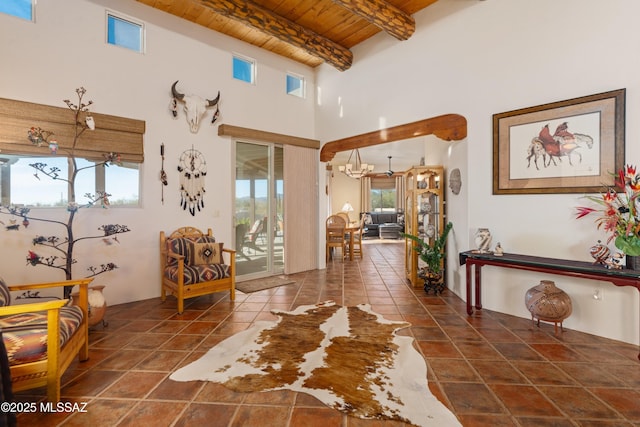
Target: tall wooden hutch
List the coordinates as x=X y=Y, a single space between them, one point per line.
x=424 y=212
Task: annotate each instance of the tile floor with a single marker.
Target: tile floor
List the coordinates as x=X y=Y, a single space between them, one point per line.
x=490 y=369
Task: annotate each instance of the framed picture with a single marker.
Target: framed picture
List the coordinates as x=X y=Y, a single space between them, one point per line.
x=572 y=146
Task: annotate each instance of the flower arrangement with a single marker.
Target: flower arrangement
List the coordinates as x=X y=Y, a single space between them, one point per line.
x=619 y=211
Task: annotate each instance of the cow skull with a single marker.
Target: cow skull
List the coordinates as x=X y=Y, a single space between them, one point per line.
x=194 y=106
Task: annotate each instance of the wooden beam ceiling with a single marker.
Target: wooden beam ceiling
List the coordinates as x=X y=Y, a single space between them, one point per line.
x=308 y=31
x=270 y=23
x=383 y=15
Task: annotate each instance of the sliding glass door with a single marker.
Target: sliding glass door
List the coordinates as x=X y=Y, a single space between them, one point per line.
x=259 y=212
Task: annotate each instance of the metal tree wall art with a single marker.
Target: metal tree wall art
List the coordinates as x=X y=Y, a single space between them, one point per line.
x=62 y=247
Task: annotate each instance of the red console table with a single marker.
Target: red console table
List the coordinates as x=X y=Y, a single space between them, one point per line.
x=563 y=267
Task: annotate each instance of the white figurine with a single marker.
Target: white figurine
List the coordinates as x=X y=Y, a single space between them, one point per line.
x=498 y=250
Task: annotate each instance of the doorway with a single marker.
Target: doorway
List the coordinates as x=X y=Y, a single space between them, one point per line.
x=259 y=210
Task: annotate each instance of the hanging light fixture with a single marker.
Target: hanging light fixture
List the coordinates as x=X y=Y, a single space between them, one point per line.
x=357 y=170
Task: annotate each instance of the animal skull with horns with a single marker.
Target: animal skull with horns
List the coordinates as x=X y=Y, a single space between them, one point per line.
x=194 y=106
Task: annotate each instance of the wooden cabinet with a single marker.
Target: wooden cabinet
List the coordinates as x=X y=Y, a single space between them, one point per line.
x=424 y=213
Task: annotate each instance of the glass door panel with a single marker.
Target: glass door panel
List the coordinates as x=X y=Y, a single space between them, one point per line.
x=258 y=208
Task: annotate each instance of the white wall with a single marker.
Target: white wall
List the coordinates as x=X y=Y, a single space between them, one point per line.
x=480 y=58
x=45 y=62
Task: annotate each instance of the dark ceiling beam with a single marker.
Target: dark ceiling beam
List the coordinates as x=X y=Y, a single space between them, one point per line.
x=383 y=15
x=449 y=127
x=270 y=23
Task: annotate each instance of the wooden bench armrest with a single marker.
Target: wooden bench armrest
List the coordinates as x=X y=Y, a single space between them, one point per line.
x=31 y=307
x=31 y=286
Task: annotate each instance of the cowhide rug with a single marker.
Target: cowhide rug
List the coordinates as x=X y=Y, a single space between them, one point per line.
x=348 y=357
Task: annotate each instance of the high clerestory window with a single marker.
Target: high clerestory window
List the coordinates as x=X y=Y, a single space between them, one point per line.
x=125 y=32
x=244 y=69
x=295 y=85
x=24 y=9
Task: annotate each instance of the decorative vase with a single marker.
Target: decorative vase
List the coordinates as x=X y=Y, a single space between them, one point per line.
x=632 y=262
x=97 y=304
x=483 y=239
x=548 y=303
x=599 y=252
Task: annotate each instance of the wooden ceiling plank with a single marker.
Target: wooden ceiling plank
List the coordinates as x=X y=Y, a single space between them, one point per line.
x=270 y=23
x=449 y=127
x=383 y=15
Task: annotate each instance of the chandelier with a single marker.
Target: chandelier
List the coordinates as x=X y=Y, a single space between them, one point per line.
x=357 y=170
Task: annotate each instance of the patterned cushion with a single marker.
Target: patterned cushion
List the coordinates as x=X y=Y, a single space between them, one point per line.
x=25 y=335
x=207 y=253
x=183 y=246
x=368 y=219
x=5 y=295
x=198 y=273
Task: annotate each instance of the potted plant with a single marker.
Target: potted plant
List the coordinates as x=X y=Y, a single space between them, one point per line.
x=432 y=253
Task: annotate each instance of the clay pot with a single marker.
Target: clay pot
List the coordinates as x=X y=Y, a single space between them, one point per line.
x=97 y=304
x=548 y=303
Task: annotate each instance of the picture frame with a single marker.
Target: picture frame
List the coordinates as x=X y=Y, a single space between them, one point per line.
x=571 y=146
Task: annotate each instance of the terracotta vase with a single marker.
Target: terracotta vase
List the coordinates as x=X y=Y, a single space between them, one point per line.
x=97 y=304
x=548 y=303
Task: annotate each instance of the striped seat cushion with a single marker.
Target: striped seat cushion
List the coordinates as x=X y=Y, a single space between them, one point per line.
x=25 y=335
x=198 y=273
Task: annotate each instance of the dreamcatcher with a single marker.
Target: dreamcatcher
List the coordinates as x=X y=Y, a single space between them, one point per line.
x=193 y=169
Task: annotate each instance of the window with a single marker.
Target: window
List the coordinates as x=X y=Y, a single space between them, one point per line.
x=383 y=195
x=124 y=32
x=244 y=69
x=295 y=85
x=21 y=8
x=22 y=184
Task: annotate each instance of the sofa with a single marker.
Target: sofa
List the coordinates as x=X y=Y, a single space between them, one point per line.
x=373 y=220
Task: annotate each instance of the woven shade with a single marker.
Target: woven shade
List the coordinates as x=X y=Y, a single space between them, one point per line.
x=112 y=134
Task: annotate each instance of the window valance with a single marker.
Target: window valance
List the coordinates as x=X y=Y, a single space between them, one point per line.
x=112 y=134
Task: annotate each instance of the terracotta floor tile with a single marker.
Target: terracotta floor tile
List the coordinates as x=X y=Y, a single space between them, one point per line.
x=498 y=372
x=161 y=360
x=134 y=385
x=316 y=417
x=261 y=416
x=202 y=414
x=90 y=384
x=625 y=401
x=472 y=398
x=578 y=403
x=516 y=351
x=176 y=390
x=589 y=374
x=543 y=373
x=490 y=369
x=453 y=370
x=150 y=413
x=524 y=400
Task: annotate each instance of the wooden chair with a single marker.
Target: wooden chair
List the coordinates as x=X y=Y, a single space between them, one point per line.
x=43 y=338
x=345 y=216
x=335 y=229
x=193 y=264
x=357 y=239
